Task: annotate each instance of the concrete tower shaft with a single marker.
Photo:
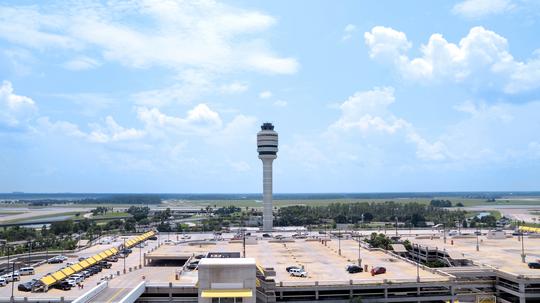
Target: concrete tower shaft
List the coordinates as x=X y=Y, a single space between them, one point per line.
x=267 y=147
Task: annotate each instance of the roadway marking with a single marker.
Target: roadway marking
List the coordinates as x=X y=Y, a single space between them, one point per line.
x=116 y=295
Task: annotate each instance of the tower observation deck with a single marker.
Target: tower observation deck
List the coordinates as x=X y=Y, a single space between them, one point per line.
x=267 y=147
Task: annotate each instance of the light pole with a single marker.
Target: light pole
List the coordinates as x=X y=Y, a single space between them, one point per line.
x=522 y=247
x=396 y=223
x=359 y=254
x=418 y=263
x=124 y=255
x=339 y=241
x=444 y=232
x=140 y=255
x=477 y=243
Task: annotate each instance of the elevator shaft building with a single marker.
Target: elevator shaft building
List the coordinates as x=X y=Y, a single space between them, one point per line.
x=267 y=147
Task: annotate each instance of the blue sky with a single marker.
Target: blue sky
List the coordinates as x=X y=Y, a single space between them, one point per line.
x=367 y=96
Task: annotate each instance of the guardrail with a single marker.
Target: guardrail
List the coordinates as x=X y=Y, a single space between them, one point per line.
x=89 y=295
x=37 y=300
x=134 y=294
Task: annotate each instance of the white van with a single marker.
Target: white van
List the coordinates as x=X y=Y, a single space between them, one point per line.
x=27 y=271
x=3 y=281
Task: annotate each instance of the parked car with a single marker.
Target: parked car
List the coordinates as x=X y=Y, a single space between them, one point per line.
x=288 y=269
x=534 y=265
x=54 y=260
x=127 y=251
x=63 y=258
x=64 y=285
x=27 y=286
x=72 y=281
x=3 y=281
x=199 y=256
x=104 y=264
x=266 y=236
x=378 y=270
x=112 y=259
x=78 y=277
x=25 y=271
x=86 y=273
x=193 y=265
x=152 y=238
x=70 y=263
x=12 y=277
x=81 y=259
x=298 y=273
x=352 y=269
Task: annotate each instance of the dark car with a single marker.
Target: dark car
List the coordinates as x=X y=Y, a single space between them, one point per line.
x=266 y=236
x=54 y=260
x=81 y=259
x=152 y=238
x=112 y=259
x=199 y=256
x=354 y=269
x=534 y=265
x=64 y=285
x=378 y=270
x=288 y=269
x=27 y=286
x=104 y=264
x=192 y=266
x=127 y=251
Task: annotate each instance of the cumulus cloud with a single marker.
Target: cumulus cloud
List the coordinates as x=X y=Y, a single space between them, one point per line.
x=481 y=58
x=348 y=32
x=172 y=34
x=81 y=63
x=15 y=109
x=368 y=112
x=111 y=131
x=265 y=94
x=234 y=88
x=482 y=8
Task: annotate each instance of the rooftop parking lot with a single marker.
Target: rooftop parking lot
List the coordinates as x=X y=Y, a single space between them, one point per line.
x=322 y=263
x=503 y=254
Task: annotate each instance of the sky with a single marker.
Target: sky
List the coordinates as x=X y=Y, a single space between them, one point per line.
x=163 y=96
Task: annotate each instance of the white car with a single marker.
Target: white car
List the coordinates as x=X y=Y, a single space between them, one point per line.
x=297 y=272
x=70 y=263
x=78 y=277
x=3 y=282
x=185 y=237
x=168 y=242
x=72 y=281
x=12 y=277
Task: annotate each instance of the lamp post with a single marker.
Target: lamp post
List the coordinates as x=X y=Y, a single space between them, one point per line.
x=140 y=255
x=477 y=243
x=12 y=299
x=359 y=254
x=339 y=242
x=124 y=248
x=418 y=263
x=444 y=232
x=523 y=256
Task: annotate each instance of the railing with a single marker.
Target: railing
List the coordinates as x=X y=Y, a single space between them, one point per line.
x=37 y=300
x=169 y=284
x=135 y=293
x=89 y=295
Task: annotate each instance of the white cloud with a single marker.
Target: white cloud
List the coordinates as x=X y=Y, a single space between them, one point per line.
x=239 y=166
x=482 y=8
x=60 y=127
x=280 y=103
x=200 y=120
x=265 y=94
x=348 y=32
x=113 y=132
x=234 y=88
x=480 y=59
x=81 y=63
x=175 y=35
x=368 y=113
x=15 y=109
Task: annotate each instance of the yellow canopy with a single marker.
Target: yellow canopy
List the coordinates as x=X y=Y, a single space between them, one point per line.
x=68 y=271
x=91 y=261
x=103 y=255
x=59 y=275
x=97 y=258
x=84 y=264
x=261 y=269
x=114 y=250
x=76 y=267
x=227 y=293
x=108 y=253
x=47 y=280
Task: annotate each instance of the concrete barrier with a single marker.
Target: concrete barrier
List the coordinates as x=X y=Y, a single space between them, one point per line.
x=89 y=295
x=135 y=293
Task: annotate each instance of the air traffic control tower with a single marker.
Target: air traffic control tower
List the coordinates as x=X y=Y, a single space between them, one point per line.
x=267 y=146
